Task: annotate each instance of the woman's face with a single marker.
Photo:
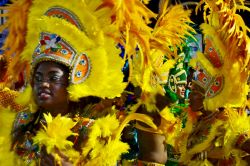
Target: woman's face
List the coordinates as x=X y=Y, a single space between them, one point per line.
x=181 y=88
x=50 y=81
x=196 y=98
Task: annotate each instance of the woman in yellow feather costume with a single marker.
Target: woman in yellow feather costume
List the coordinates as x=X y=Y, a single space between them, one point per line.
x=71 y=47
x=217 y=130
x=72 y=56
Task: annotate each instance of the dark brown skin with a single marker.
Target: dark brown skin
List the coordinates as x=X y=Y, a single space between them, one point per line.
x=196 y=103
x=246 y=147
x=151 y=145
x=196 y=98
x=49 y=160
x=50 y=83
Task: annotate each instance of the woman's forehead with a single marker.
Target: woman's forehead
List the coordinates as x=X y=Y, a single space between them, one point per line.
x=197 y=87
x=50 y=67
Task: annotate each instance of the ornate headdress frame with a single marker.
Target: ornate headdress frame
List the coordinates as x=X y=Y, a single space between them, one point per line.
x=56 y=33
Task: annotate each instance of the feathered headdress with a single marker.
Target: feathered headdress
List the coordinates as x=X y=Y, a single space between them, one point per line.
x=69 y=33
x=157 y=50
x=222 y=69
x=82 y=34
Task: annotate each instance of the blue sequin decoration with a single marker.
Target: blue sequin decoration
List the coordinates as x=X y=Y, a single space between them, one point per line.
x=82 y=62
x=58 y=39
x=38 y=50
x=210 y=49
x=52 y=36
x=65 y=52
x=78 y=74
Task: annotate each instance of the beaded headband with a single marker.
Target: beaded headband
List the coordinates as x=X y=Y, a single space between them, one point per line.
x=204 y=76
x=52 y=47
x=211 y=84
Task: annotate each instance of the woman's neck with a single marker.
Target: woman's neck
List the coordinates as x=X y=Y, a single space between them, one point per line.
x=63 y=110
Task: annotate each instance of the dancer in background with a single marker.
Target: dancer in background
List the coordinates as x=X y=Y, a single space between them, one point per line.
x=217 y=130
x=72 y=48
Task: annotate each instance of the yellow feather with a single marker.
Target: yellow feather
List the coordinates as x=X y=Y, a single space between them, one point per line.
x=227 y=31
x=186 y=157
x=166 y=34
x=105 y=78
x=55 y=133
x=7 y=99
x=135 y=116
x=26 y=99
x=14 y=44
x=7 y=157
x=103 y=147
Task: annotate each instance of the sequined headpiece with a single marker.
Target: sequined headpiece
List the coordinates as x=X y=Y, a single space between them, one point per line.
x=56 y=33
x=53 y=48
x=204 y=76
x=222 y=68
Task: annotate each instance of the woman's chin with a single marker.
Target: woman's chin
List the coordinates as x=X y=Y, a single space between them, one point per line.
x=47 y=105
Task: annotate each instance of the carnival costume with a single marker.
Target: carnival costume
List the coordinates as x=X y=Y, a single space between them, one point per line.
x=177 y=77
x=83 y=35
x=213 y=136
x=156 y=64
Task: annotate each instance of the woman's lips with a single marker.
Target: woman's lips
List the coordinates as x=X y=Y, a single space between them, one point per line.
x=44 y=94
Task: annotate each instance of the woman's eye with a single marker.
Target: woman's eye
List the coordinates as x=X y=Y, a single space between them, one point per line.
x=38 y=78
x=54 y=78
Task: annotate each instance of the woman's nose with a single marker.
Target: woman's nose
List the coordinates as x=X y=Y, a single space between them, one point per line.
x=182 y=87
x=45 y=83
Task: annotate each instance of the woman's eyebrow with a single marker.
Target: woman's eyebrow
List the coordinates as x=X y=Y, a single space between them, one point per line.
x=55 y=72
x=38 y=73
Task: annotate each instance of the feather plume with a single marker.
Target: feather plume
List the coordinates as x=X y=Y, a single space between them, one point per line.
x=7 y=157
x=171 y=29
x=55 y=133
x=170 y=126
x=17 y=17
x=104 y=146
x=7 y=99
x=186 y=157
x=92 y=40
x=26 y=99
x=228 y=33
x=132 y=18
x=230 y=26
